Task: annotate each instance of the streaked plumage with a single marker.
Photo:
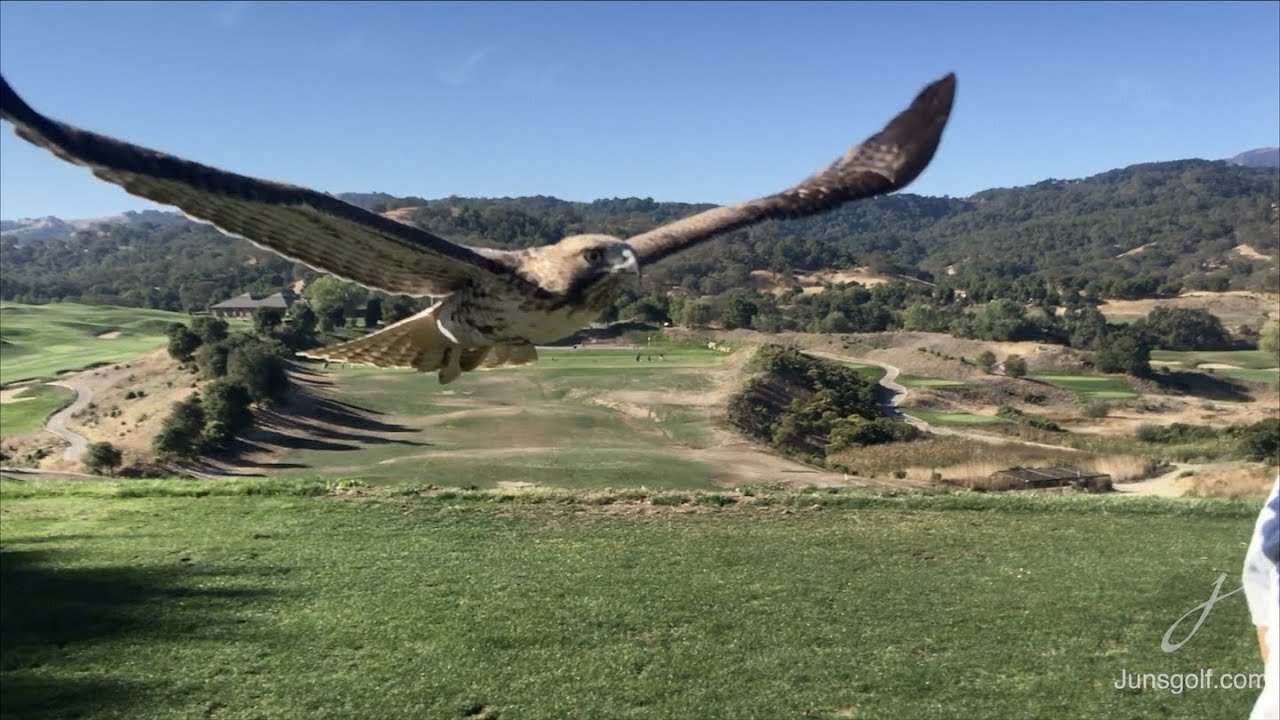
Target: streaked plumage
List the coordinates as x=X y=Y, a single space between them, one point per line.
x=495 y=304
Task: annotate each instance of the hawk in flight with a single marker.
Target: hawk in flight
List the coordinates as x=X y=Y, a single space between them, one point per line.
x=493 y=306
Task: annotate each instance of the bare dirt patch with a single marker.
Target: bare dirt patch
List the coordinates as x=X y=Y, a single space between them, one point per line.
x=10 y=395
x=1234 y=307
x=1235 y=479
x=127 y=423
x=1136 y=251
x=811 y=283
x=918 y=353
x=1249 y=252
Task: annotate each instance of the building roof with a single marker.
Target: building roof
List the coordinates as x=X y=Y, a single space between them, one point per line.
x=1048 y=474
x=249 y=301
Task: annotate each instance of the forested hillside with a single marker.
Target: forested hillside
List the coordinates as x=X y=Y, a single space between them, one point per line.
x=1140 y=231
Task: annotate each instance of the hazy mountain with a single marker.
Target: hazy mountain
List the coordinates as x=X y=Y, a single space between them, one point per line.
x=28 y=230
x=1259 y=157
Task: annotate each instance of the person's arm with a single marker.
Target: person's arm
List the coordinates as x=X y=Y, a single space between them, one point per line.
x=1260 y=570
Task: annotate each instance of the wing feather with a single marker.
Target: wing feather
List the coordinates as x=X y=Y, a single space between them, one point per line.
x=303 y=225
x=883 y=163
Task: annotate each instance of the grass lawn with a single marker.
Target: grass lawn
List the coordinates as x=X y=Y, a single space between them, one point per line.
x=1247 y=359
x=533 y=423
x=870 y=372
x=1265 y=376
x=1090 y=387
x=934 y=417
x=37 y=402
x=468 y=605
x=923 y=381
x=39 y=341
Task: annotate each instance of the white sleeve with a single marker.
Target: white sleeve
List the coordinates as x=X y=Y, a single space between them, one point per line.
x=1259 y=577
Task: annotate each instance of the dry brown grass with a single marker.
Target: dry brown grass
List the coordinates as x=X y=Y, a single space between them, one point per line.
x=971 y=464
x=1121 y=468
x=953 y=457
x=135 y=420
x=1233 y=480
x=1238 y=307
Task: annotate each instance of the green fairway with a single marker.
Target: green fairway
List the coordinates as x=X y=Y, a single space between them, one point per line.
x=1247 y=359
x=1090 y=387
x=1271 y=375
x=923 y=381
x=934 y=417
x=34 y=404
x=39 y=341
x=468 y=605
x=870 y=372
x=572 y=419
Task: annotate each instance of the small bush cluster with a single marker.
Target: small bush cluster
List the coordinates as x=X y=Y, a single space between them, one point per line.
x=810 y=408
x=1259 y=442
x=245 y=369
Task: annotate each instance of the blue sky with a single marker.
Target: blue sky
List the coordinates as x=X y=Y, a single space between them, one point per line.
x=701 y=102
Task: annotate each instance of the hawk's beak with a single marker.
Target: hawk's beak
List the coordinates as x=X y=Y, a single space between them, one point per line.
x=626 y=261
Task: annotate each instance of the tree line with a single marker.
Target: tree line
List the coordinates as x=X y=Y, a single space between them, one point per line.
x=1143 y=231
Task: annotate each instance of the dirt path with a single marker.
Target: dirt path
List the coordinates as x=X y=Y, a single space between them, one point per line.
x=19 y=472
x=1165 y=485
x=57 y=423
x=899 y=393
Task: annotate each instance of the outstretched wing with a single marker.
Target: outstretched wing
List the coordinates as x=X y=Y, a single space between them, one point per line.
x=303 y=225
x=885 y=162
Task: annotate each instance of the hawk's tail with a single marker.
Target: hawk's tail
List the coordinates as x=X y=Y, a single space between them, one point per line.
x=417 y=342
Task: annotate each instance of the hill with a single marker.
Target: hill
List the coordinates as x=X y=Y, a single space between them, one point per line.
x=50 y=340
x=1141 y=231
x=27 y=230
x=1260 y=157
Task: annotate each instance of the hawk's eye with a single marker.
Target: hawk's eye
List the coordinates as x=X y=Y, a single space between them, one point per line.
x=593 y=256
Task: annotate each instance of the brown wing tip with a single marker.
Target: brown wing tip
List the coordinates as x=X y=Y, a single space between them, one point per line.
x=931 y=108
x=918 y=129
x=938 y=96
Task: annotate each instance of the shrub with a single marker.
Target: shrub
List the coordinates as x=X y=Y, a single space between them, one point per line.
x=182 y=342
x=1015 y=366
x=1009 y=412
x=1044 y=424
x=216 y=434
x=175 y=441
x=267 y=319
x=102 y=456
x=676 y=499
x=210 y=329
x=1261 y=441
x=228 y=403
x=716 y=499
x=212 y=360
x=1096 y=409
x=1177 y=433
x=260 y=371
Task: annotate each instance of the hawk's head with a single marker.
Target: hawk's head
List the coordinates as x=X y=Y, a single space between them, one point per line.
x=586 y=269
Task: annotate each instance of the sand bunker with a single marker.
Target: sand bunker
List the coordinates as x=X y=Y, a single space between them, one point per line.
x=10 y=395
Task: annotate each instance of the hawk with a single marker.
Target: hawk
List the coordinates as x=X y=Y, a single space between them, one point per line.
x=492 y=306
